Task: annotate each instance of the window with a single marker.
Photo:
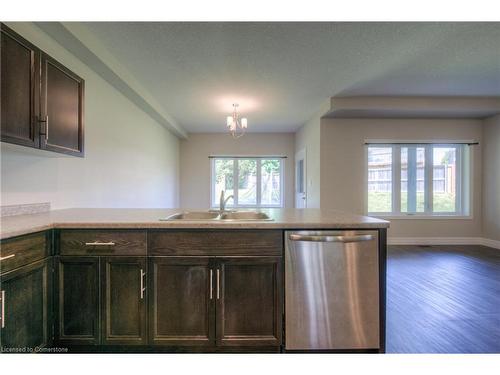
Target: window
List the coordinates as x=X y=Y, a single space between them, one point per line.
x=413 y=179
x=253 y=182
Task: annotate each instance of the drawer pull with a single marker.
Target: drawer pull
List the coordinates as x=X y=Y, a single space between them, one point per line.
x=96 y=243
x=7 y=257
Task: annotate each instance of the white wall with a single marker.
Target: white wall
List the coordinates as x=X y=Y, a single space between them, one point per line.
x=195 y=164
x=308 y=138
x=130 y=159
x=343 y=182
x=491 y=178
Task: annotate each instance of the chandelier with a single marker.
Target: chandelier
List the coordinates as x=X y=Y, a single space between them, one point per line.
x=236 y=125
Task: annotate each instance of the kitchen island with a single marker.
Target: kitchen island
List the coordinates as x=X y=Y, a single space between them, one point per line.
x=115 y=280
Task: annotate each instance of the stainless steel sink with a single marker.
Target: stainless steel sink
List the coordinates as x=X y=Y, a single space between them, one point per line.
x=194 y=215
x=217 y=216
x=245 y=215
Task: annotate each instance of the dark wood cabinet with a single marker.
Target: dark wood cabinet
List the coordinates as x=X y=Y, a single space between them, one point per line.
x=24 y=250
x=26 y=297
x=249 y=311
x=61 y=109
x=182 y=301
x=124 y=304
x=78 y=301
x=103 y=242
x=98 y=290
x=19 y=85
x=216 y=288
x=42 y=101
x=202 y=301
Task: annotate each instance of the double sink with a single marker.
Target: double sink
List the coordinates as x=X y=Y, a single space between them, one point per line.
x=219 y=216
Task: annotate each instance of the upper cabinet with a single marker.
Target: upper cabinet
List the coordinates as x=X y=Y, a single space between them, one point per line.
x=41 y=99
x=61 y=108
x=19 y=83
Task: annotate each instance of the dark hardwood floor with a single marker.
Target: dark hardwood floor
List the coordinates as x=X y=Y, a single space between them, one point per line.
x=443 y=299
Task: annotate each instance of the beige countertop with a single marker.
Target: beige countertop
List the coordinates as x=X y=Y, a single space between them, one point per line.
x=140 y=218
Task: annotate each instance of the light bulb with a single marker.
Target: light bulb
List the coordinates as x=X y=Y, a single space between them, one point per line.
x=244 y=123
x=229 y=121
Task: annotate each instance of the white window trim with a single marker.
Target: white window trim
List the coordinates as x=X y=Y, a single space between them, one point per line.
x=464 y=201
x=214 y=201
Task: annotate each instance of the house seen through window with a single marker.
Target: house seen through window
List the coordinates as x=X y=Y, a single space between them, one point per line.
x=412 y=179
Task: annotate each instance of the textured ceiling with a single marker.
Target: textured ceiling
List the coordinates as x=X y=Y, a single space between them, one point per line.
x=281 y=73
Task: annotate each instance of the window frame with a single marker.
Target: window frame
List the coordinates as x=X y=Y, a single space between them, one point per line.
x=463 y=187
x=214 y=201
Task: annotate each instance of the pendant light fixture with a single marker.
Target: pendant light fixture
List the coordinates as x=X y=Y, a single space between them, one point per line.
x=236 y=125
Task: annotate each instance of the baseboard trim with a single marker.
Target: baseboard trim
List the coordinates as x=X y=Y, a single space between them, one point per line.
x=443 y=241
x=491 y=243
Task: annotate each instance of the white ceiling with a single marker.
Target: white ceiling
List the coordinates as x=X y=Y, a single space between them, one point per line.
x=281 y=73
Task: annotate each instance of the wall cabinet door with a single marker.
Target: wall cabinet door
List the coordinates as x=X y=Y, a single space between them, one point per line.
x=78 y=300
x=249 y=301
x=25 y=306
x=42 y=101
x=19 y=89
x=182 y=301
x=61 y=108
x=124 y=304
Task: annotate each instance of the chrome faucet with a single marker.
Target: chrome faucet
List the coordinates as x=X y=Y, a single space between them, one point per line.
x=222 y=204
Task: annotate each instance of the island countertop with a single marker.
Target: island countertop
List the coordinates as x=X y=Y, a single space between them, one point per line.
x=144 y=218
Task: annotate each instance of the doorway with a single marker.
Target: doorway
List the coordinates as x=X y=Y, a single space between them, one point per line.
x=300 y=179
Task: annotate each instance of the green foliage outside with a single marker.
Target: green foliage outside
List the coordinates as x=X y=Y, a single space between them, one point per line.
x=381 y=202
x=224 y=169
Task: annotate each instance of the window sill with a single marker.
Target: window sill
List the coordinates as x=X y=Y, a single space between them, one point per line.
x=422 y=217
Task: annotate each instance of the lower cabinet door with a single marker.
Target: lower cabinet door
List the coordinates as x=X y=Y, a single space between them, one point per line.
x=124 y=300
x=182 y=301
x=25 y=305
x=77 y=301
x=249 y=301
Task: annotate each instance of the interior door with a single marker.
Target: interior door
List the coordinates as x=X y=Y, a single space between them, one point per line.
x=248 y=293
x=182 y=309
x=300 y=179
x=124 y=300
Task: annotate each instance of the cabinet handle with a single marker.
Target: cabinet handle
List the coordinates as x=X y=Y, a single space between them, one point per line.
x=344 y=239
x=46 y=121
x=211 y=284
x=3 y=308
x=7 y=257
x=142 y=283
x=97 y=243
x=218 y=284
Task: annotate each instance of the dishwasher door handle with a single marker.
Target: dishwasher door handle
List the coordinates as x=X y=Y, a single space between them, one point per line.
x=344 y=239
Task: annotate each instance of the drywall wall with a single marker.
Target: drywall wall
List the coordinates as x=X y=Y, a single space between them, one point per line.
x=430 y=107
x=343 y=168
x=308 y=138
x=130 y=159
x=491 y=178
x=195 y=164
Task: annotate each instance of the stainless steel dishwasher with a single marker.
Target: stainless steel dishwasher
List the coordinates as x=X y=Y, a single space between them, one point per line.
x=331 y=290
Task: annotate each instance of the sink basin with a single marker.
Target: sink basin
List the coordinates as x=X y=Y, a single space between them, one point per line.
x=216 y=215
x=245 y=215
x=194 y=215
